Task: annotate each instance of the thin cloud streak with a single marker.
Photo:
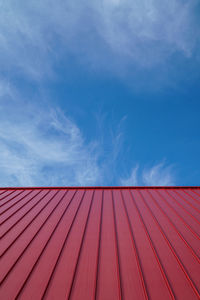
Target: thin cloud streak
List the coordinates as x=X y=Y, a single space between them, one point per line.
x=132 y=180
x=158 y=175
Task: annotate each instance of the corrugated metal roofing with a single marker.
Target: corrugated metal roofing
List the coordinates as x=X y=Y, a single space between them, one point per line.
x=100 y=243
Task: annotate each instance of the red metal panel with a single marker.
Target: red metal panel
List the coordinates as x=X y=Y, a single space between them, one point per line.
x=132 y=281
x=108 y=280
x=153 y=272
x=84 y=285
x=100 y=243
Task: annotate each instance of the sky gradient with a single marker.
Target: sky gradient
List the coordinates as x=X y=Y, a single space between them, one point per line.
x=99 y=93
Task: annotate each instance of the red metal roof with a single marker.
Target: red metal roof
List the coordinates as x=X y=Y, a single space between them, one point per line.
x=100 y=243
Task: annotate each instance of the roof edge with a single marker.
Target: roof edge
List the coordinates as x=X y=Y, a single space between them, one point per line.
x=98 y=187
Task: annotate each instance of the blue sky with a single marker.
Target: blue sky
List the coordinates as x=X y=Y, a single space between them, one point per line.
x=99 y=93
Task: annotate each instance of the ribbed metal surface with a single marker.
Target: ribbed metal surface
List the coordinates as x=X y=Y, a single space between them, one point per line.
x=109 y=243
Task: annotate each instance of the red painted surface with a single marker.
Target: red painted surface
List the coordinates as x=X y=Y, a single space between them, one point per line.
x=100 y=243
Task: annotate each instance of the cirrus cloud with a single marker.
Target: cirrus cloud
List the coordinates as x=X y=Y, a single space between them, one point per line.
x=108 y=32
x=44 y=147
x=158 y=175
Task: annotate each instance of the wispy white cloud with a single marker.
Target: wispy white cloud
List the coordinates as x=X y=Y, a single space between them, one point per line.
x=41 y=146
x=5 y=89
x=157 y=175
x=34 y=35
x=44 y=147
x=132 y=180
x=148 y=31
